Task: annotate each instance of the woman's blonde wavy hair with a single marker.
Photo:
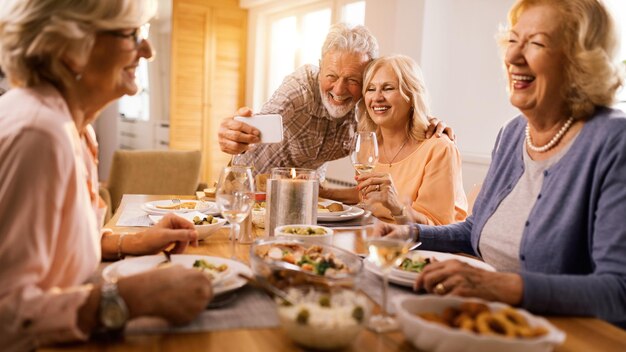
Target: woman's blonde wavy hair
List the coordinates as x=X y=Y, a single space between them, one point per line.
x=35 y=34
x=412 y=89
x=590 y=42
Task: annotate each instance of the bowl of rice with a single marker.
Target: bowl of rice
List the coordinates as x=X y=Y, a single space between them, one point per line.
x=323 y=319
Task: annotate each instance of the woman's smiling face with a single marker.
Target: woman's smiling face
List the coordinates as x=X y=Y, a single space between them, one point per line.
x=535 y=61
x=385 y=104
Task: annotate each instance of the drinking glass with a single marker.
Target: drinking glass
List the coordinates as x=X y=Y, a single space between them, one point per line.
x=235 y=197
x=364 y=155
x=385 y=253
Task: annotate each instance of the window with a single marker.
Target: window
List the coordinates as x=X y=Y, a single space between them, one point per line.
x=137 y=106
x=295 y=36
x=618 y=9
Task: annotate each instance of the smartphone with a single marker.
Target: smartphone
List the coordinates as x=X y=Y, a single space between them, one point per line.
x=271 y=126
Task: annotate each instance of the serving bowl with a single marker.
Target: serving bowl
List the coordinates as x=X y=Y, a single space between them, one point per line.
x=432 y=336
x=322 y=318
x=306 y=233
x=286 y=263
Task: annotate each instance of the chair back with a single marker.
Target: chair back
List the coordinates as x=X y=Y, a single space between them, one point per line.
x=153 y=172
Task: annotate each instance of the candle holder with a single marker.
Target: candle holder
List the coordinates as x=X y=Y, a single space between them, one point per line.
x=291 y=198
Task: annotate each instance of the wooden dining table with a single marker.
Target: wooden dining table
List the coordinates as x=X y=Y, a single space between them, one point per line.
x=582 y=333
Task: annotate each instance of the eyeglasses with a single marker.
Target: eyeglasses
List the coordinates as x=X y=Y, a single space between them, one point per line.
x=138 y=35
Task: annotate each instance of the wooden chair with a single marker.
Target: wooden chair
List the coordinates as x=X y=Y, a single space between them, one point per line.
x=151 y=172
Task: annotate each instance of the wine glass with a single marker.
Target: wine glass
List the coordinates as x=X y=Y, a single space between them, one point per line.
x=235 y=197
x=364 y=155
x=386 y=253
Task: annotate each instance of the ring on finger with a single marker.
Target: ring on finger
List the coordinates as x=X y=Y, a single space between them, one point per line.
x=440 y=289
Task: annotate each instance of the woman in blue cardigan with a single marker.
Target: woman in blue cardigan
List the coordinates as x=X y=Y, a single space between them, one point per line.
x=551 y=215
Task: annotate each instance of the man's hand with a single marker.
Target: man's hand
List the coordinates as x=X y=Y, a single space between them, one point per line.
x=438 y=128
x=235 y=137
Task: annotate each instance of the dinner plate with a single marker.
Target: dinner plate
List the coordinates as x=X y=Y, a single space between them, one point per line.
x=346 y=208
x=222 y=283
x=352 y=213
x=406 y=278
x=152 y=208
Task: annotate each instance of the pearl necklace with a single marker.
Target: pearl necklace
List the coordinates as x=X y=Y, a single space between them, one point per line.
x=553 y=142
x=399 y=150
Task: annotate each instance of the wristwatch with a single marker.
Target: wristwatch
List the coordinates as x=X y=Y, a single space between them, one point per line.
x=113 y=312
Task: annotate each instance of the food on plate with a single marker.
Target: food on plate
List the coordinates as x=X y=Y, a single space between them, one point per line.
x=415 y=264
x=209 y=269
x=184 y=205
x=206 y=220
x=331 y=208
x=323 y=319
x=312 y=231
x=311 y=259
x=478 y=318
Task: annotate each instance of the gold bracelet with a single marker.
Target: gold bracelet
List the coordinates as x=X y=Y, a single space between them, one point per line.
x=119 y=245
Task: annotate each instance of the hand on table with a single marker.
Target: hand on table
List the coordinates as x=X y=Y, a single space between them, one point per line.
x=235 y=137
x=174 y=293
x=458 y=278
x=170 y=230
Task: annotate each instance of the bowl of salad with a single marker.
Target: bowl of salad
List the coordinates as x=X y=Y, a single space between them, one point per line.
x=286 y=262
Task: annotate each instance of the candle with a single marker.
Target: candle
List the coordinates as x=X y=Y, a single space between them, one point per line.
x=292 y=198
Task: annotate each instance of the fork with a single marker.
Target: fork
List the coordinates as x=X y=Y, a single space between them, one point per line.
x=168 y=257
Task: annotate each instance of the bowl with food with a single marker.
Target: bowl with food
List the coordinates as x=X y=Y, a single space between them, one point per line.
x=306 y=233
x=323 y=319
x=435 y=323
x=285 y=263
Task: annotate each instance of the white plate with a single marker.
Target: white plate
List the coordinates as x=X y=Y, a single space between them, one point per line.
x=224 y=283
x=201 y=206
x=353 y=213
x=406 y=278
x=346 y=208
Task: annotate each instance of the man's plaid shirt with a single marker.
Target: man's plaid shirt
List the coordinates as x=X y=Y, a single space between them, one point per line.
x=311 y=136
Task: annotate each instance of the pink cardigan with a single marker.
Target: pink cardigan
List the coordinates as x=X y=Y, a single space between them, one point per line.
x=49 y=235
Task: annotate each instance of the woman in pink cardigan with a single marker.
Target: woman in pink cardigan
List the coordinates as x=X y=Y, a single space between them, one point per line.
x=66 y=60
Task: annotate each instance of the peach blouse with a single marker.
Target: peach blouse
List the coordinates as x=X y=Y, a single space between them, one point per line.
x=49 y=236
x=430 y=178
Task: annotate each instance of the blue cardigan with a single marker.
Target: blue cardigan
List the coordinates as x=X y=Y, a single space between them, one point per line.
x=573 y=248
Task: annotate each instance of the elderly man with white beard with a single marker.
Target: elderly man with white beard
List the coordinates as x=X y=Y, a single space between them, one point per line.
x=317 y=106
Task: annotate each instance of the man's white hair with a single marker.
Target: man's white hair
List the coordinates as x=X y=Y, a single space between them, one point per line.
x=356 y=39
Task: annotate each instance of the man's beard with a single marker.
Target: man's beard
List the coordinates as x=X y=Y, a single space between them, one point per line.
x=336 y=112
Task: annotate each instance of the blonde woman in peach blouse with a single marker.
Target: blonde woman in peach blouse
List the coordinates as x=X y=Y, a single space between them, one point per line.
x=66 y=60
x=416 y=179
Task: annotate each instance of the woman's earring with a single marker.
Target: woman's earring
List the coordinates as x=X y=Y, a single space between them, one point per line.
x=78 y=77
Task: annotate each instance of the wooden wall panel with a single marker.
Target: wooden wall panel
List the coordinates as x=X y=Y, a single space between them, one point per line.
x=208 y=75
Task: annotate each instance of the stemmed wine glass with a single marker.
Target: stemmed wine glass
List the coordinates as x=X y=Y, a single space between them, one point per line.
x=235 y=197
x=386 y=253
x=364 y=154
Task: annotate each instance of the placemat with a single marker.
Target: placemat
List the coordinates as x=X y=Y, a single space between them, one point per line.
x=250 y=309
